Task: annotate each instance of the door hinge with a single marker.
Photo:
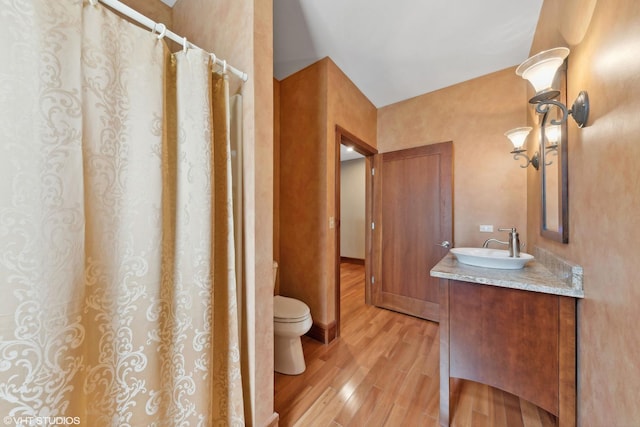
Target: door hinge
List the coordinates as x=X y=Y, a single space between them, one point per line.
x=373 y=171
x=373 y=280
x=373 y=225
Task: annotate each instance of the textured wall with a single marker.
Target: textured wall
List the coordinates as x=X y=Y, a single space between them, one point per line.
x=154 y=9
x=604 y=198
x=312 y=102
x=241 y=31
x=352 y=208
x=276 y=179
x=489 y=186
x=350 y=109
x=303 y=187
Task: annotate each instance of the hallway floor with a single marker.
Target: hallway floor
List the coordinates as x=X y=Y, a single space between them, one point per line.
x=383 y=371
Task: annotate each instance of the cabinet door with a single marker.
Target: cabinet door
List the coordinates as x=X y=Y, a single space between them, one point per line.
x=506 y=338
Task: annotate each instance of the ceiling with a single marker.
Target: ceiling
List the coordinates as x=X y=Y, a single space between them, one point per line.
x=395 y=50
x=346 y=155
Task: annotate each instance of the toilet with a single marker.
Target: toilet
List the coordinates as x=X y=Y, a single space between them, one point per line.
x=291 y=320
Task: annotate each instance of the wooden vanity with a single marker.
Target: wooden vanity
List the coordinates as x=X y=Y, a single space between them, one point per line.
x=511 y=329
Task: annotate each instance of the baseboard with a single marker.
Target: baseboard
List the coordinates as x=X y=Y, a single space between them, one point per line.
x=274 y=420
x=323 y=333
x=346 y=259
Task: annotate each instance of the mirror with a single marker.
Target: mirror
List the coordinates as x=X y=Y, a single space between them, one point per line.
x=554 y=177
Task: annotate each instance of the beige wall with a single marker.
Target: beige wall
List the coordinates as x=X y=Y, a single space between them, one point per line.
x=303 y=187
x=352 y=208
x=154 y=9
x=276 y=179
x=241 y=32
x=349 y=108
x=604 y=198
x=489 y=186
x=312 y=102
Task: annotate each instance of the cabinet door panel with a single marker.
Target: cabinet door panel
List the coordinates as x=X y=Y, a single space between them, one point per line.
x=506 y=338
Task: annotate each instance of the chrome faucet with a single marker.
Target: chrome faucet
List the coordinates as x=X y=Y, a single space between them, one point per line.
x=486 y=242
x=513 y=243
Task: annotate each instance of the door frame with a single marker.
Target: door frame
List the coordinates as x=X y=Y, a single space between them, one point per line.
x=368 y=151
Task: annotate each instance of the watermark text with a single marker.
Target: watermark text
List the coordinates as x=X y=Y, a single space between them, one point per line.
x=24 y=421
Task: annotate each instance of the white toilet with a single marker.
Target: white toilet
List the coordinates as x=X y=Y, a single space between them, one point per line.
x=291 y=320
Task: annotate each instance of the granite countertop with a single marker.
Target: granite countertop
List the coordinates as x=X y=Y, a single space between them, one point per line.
x=534 y=277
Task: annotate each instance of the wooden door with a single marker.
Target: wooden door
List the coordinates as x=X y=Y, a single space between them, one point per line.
x=413 y=215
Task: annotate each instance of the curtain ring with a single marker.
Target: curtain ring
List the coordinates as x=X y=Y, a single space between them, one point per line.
x=93 y=2
x=224 y=66
x=214 y=58
x=162 y=32
x=185 y=44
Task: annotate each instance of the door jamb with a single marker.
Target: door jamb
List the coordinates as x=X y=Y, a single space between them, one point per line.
x=342 y=135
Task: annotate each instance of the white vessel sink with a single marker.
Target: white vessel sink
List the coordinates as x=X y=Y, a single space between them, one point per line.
x=490 y=258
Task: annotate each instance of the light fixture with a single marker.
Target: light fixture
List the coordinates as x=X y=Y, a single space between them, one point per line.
x=541 y=70
x=552 y=134
x=518 y=136
x=350 y=149
x=550 y=138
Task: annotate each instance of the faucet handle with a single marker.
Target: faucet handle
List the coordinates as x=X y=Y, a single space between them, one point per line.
x=510 y=230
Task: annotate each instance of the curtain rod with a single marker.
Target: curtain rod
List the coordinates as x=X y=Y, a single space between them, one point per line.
x=153 y=26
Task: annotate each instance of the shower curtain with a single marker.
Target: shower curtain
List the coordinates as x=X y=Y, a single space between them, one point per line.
x=118 y=304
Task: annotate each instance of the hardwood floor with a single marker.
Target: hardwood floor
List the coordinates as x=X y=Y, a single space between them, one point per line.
x=383 y=371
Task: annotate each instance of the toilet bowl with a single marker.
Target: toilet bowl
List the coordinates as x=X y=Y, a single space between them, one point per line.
x=291 y=320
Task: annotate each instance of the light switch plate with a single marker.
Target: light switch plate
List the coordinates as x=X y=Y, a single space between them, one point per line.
x=486 y=228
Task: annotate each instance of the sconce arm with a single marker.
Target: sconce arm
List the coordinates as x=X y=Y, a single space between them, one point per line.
x=579 y=110
x=543 y=108
x=549 y=150
x=535 y=160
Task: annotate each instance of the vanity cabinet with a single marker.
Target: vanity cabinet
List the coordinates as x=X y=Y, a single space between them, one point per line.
x=522 y=341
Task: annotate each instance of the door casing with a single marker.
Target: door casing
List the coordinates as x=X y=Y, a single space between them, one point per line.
x=345 y=137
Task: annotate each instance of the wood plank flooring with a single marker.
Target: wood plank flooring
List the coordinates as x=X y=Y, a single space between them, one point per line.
x=383 y=371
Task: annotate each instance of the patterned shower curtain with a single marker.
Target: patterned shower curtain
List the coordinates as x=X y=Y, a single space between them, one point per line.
x=118 y=301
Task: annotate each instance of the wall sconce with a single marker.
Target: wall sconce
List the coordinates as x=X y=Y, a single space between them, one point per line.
x=540 y=70
x=518 y=136
x=552 y=134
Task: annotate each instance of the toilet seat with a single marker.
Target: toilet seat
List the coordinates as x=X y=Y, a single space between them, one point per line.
x=289 y=310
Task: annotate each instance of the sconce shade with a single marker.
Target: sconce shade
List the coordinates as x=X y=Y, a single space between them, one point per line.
x=540 y=70
x=518 y=136
x=553 y=134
